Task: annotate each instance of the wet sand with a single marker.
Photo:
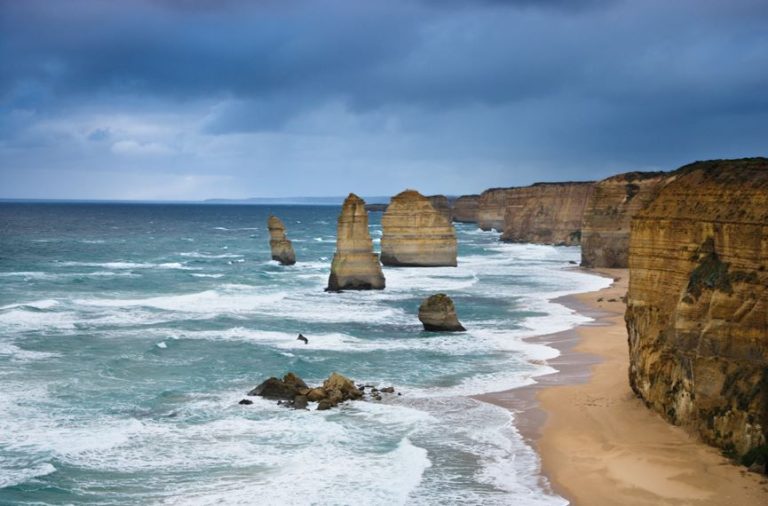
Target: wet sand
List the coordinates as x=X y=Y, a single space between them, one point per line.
x=599 y=444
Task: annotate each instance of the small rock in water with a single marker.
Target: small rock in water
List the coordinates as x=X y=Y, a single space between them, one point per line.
x=437 y=313
x=245 y=402
x=300 y=402
x=302 y=338
x=388 y=390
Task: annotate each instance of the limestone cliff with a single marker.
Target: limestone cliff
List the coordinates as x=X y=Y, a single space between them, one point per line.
x=442 y=204
x=697 y=310
x=546 y=213
x=355 y=266
x=414 y=233
x=605 y=227
x=282 y=249
x=465 y=209
x=490 y=208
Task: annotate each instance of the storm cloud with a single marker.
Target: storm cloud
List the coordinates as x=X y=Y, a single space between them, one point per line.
x=196 y=99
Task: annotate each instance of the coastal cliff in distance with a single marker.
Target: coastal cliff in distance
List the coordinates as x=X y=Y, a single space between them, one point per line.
x=609 y=212
x=465 y=209
x=414 y=233
x=546 y=213
x=697 y=309
x=355 y=266
x=490 y=208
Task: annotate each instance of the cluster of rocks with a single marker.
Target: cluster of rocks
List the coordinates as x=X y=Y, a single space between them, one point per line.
x=293 y=392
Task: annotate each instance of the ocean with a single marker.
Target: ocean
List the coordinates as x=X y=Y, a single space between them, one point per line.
x=129 y=332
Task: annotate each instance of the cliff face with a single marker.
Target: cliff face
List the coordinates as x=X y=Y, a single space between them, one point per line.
x=605 y=228
x=442 y=205
x=465 y=209
x=697 y=312
x=414 y=233
x=546 y=213
x=282 y=249
x=491 y=207
x=355 y=266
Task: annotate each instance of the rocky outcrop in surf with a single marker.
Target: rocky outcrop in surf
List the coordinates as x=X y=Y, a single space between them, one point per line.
x=293 y=392
x=697 y=310
x=355 y=266
x=282 y=249
x=546 y=213
x=609 y=212
x=465 y=209
x=438 y=314
x=414 y=233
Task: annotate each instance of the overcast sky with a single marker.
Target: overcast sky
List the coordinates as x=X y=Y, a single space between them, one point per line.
x=192 y=99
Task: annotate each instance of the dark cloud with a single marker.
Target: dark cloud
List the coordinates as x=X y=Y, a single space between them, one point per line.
x=519 y=89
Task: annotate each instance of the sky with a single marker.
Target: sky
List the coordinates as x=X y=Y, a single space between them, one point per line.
x=196 y=99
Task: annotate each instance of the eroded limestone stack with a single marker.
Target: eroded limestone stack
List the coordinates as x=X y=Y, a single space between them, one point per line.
x=355 y=266
x=414 y=233
x=465 y=209
x=438 y=314
x=442 y=204
x=605 y=227
x=697 y=311
x=546 y=213
x=282 y=249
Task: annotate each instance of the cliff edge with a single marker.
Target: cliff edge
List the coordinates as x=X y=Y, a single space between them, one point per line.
x=697 y=309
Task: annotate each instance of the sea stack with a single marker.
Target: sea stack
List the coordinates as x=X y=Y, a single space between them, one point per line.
x=465 y=209
x=609 y=212
x=415 y=234
x=697 y=309
x=355 y=266
x=282 y=249
x=438 y=314
x=546 y=213
x=442 y=205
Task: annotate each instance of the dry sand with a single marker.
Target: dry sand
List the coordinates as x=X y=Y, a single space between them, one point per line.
x=599 y=444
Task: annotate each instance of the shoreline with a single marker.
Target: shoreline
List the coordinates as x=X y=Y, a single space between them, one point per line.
x=597 y=442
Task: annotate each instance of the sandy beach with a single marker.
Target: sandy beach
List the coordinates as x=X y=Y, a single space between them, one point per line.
x=599 y=444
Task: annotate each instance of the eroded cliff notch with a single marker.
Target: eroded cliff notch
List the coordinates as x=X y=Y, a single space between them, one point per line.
x=609 y=212
x=697 y=311
x=414 y=233
x=546 y=213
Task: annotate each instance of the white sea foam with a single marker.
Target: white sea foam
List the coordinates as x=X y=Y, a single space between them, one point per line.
x=195 y=254
x=18 y=354
x=128 y=265
x=12 y=477
x=213 y=276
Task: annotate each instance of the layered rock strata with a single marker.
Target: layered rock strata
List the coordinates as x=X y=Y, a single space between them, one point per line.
x=491 y=206
x=605 y=227
x=414 y=233
x=465 y=209
x=282 y=249
x=546 y=213
x=438 y=314
x=355 y=266
x=697 y=311
x=442 y=205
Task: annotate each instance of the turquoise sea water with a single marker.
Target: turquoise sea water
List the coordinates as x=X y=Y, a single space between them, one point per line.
x=128 y=333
